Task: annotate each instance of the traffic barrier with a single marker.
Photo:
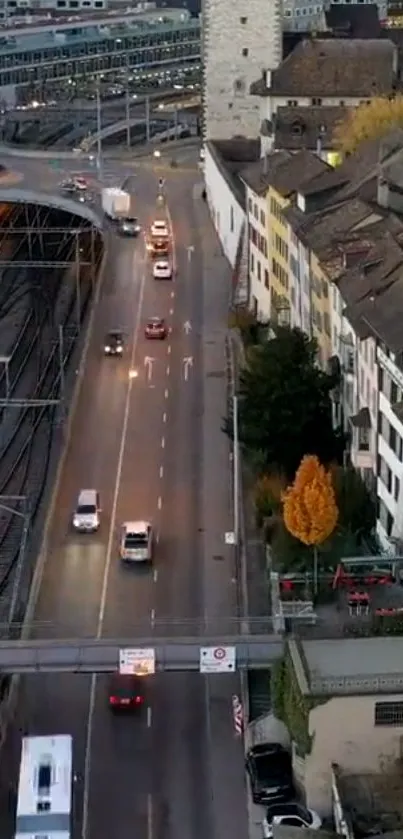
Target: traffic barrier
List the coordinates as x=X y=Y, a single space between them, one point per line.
x=238 y=715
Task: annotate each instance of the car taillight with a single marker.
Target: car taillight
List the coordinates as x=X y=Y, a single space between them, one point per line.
x=138 y=700
x=113 y=700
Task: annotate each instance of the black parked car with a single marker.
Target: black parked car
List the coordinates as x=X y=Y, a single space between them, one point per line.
x=114 y=342
x=269 y=767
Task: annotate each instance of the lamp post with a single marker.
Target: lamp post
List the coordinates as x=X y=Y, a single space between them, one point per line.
x=236 y=467
x=99 y=128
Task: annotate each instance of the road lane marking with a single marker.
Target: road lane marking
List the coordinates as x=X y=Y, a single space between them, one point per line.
x=102 y=605
x=157 y=539
x=152 y=617
x=163 y=442
x=168 y=370
x=166 y=393
x=155 y=574
x=161 y=471
x=171 y=311
x=169 y=349
x=149 y=716
x=150 y=816
x=159 y=502
x=172 y=294
x=164 y=417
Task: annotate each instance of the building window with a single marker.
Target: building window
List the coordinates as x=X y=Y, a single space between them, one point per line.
x=252 y=263
x=250 y=205
x=245 y=52
x=316 y=101
x=259 y=271
x=255 y=211
x=266 y=278
x=232 y=219
x=385 y=517
x=397 y=489
x=243 y=20
x=262 y=218
x=389 y=713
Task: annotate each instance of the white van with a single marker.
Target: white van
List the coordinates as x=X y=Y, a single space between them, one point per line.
x=86 y=516
x=136 y=544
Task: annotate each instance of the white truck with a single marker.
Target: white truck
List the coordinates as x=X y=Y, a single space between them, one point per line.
x=116 y=203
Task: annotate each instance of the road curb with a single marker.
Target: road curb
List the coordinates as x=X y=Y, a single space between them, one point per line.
x=7 y=712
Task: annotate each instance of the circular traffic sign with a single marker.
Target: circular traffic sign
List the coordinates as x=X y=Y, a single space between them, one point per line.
x=219 y=653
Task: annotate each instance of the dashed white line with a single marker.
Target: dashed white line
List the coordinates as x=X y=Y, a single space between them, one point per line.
x=157 y=539
x=149 y=716
x=155 y=574
x=168 y=370
x=163 y=442
x=169 y=349
x=166 y=393
x=171 y=311
x=164 y=417
x=172 y=294
x=159 y=502
x=152 y=617
x=161 y=471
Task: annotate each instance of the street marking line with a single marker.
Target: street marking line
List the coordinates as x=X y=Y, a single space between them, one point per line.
x=161 y=471
x=171 y=311
x=159 y=502
x=164 y=417
x=152 y=617
x=102 y=606
x=172 y=295
x=150 y=834
x=155 y=574
x=149 y=716
x=157 y=539
x=166 y=393
x=169 y=349
x=168 y=370
x=163 y=442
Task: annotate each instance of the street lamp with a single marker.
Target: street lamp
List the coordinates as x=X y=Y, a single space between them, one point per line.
x=236 y=467
x=5 y=360
x=99 y=127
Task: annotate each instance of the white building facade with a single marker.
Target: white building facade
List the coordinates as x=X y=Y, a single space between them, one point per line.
x=235 y=54
x=299 y=275
x=258 y=249
x=390 y=450
x=227 y=213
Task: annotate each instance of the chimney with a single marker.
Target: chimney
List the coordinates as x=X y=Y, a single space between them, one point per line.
x=268 y=79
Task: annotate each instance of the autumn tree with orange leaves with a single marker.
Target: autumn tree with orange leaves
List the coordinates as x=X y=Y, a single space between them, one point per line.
x=309 y=506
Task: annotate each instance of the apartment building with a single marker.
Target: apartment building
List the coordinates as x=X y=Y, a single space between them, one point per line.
x=255 y=179
x=333 y=73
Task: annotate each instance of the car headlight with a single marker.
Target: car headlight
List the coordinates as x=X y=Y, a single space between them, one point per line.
x=107 y=349
x=119 y=349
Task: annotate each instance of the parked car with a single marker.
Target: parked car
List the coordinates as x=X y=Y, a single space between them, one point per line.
x=269 y=767
x=292 y=814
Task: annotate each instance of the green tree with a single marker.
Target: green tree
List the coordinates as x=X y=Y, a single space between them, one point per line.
x=357 y=511
x=370 y=120
x=284 y=405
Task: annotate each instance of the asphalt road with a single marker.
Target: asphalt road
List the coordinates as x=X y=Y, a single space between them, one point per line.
x=153 y=448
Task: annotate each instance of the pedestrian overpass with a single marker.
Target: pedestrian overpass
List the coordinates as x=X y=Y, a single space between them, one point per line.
x=103 y=655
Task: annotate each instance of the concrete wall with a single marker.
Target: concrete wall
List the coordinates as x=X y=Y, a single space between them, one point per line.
x=227 y=214
x=344 y=732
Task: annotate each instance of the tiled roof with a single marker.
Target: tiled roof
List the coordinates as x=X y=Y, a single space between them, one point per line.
x=355 y=20
x=231 y=156
x=259 y=175
x=301 y=128
x=337 y=67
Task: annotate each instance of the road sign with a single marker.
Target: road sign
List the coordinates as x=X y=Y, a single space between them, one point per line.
x=137 y=662
x=217 y=659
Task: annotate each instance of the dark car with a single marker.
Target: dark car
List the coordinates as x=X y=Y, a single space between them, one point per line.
x=269 y=767
x=156 y=329
x=160 y=248
x=125 y=693
x=129 y=227
x=114 y=343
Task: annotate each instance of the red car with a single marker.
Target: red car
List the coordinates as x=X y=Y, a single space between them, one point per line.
x=156 y=328
x=125 y=692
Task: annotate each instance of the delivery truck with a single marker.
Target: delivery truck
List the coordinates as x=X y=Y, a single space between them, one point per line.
x=116 y=203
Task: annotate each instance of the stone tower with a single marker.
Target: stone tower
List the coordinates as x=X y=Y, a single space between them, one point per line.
x=241 y=38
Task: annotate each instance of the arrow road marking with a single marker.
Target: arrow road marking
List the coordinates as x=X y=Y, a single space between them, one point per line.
x=187 y=362
x=148 y=363
x=187 y=327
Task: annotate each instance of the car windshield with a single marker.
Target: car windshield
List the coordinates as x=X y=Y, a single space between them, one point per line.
x=155 y=324
x=130 y=221
x=124 y=687
x=272 y=766
x=136 y=540
x=114 y=337
x=85 y=510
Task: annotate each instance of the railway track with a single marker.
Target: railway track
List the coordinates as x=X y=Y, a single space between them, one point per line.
x=24 y=456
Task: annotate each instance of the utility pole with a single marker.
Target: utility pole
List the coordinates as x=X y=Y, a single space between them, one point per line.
x=127 y=95
x=78 y=288
x=99 y=128
x=61 y=365
x=236 y=468
x=147 y=119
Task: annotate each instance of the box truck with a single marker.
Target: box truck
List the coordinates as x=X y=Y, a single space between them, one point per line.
x=116 y=203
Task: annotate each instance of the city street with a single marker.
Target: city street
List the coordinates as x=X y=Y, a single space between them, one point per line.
x=153 y=447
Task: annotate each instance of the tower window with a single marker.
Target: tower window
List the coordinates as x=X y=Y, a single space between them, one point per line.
x=245 y=52
x=244 y=20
